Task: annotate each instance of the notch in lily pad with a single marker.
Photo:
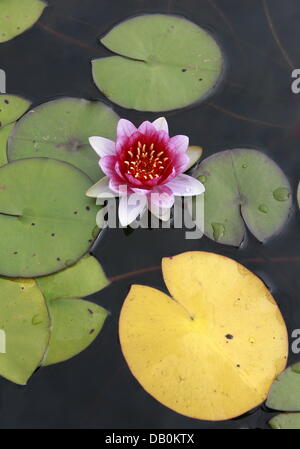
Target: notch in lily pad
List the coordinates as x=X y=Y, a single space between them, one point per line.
x=169 y=62
x=60 y=129
x=18 y=16
x=12 y=107
x=243 y=188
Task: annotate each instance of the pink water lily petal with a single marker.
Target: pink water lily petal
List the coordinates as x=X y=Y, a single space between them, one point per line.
x=102 y=146
x=184 y=185
x=117 y=185
x=133 y=181
x=161 y=196
x=107 y=165
x=171 y=176
x=101 y=189
x=161 y=124
x=180 y=143
x=181 y=162
x=130 y=207
x=147 y=128
x=125 y=128
x=118 y=171
x=162 y=138
x=140 y=191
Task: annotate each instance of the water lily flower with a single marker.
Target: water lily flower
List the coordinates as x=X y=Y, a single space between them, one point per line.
x=145 y=168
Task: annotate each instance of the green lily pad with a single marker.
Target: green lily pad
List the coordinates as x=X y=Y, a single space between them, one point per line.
x=243 y=187
x=24 y=319
x=4 y=134
x=46 y=220
x=12 y=107
x=17 y=16
x=82 y=279
x=75 y=324
x=60 y=129
x=285 y=391
x=286 y=421
x=164 y=62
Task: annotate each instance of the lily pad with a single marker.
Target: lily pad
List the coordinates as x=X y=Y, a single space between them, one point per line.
x=46 y=220
x=164 y=62
x=285 y=392
x=213 y=349
x=82 y=279
x=286 y=421
x=24 y=319
x=243 y=187
x=75 y=324
x=4 y=134
x=60 y=129
x=17 y=16
x=12 y=107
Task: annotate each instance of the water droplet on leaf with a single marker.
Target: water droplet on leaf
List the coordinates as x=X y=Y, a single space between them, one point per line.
x=202 y=179
x=218 y=230
x=281 y=194
x=36 y=319
x=263 y=208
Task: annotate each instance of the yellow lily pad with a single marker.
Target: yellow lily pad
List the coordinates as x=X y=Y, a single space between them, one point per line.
x=213 y=349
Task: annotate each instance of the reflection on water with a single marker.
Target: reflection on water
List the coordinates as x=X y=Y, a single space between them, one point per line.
x=254 y=107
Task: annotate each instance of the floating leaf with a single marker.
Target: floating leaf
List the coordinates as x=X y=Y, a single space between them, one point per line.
x=82 y=279
x=286 y=421
x=60 y=129
x=4 y=134
x=12 y=108
x=285 y=392
x=243 y=187
x=211 y=351
x=17 y=16
x=75 y=324
x=46 y=220
x=24 y=319
x=166 y=62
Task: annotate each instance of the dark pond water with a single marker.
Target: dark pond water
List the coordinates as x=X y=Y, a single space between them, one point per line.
x=254 y=107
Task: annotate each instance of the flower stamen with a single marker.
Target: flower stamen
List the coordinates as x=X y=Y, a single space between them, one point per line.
x=145 y=161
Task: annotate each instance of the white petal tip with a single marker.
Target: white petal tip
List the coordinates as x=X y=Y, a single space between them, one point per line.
x=194 y=153
x=161 y=124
